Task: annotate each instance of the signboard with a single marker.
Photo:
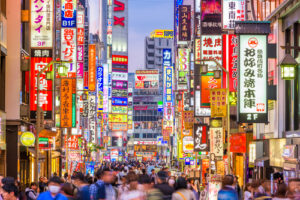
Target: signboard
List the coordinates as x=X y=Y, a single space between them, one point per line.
x=188 y=144
x=197 y=52
x=183 y=68
x=66 y=103
x=68 y=46
x=211 y=48
x=117 y=118
x=119 y=101
x=238 y=143
x=218 y=102
x=198 y=110
x=207 y=83
x=184 y=26
x=216 y=141
x=121 y=76
x=119 y=109
x=233 y=10
x=211 y=11
x=68 y=13
x=230 y=60
x=92 y=117
x=252 y=95
x=92 y=67
x=41 y=27
x=158 y=33
x=27 y=139
x=168 y=96
x=72 y=142
x=99 y=78
x=146 y=79
x=119 y=68
x=118 y=126
x=198 y=24
x=123 y=85
x=118 y=59
x=200 y=138
x=119 y=93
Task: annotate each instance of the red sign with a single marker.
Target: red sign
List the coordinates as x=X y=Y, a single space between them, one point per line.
x=230 y=61
x=140 y=107
x=92 y=67
x=72 y=142
x=37 y=64
x=80 y=36
x=208 y=82
x=117 y=59
x=238 y=143
x=119 y=7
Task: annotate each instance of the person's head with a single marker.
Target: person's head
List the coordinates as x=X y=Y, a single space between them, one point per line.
x=8 y=180
x=152 y=171
x=171 y=181
x=54 y=185
x=132 y=180
x=181 y=183
x=294 y=186
x=67 y=189
x=281 y=191
x=10 y=191
x=33 y=186
x=228 y=180
x=78 y=179
x=248 y=187
x=162 y=177
x=144 y=182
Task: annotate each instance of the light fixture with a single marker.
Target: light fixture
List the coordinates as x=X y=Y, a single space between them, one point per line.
x=288 y=67
x=62 y=70
x=203 y=69
x=217 y=74
x=49 y=75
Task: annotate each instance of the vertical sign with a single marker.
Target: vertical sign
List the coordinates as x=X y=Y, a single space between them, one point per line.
x=183 y=67
x=211 y=11
x=92 y=117
x=197 y=52
x=207 y=83
x=92 y=67
x=233 y=10
x=68 y=48
x=184 y=23
x=211 y=48
x=41 y=23
x=68 y=13
x=252 y=95
x=200 y=138
x=230 y=60
x=100 y=87
x=66 y=103
x=216 y=141
x=218 y=102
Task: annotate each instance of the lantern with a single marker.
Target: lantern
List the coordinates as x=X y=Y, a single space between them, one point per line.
x=288 y=67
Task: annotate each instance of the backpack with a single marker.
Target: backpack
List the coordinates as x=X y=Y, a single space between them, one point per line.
x=27 y=194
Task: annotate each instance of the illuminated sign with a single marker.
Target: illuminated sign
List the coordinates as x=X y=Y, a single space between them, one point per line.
x=119 y=109
x=158 y=33
x=118 y=93
x=216 y=141
x=92 y=117
x=119 y=101
x=119 y=76
x=211 y=11
x=208 y=82
x=211 y=48
x=200 y=138
x=66 y=103
x=197 y=52
x=168 y=85
x=118 y=126
x=233 y=10
x=218 y=102
x=92 y=67
x=68 y=13
x=184 y=23
x=119 y=85
x=118 y=59
x=80 y=27
x=183 y=67
x=99 y=78
x=146 y=79
x=119 y=68
x=188 y=144
x=41 y=23
x=252 y=87
x=117 y=118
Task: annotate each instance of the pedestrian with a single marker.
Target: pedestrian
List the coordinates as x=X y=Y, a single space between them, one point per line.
x=133 y=193
x=248 y=193
x=54 y=186
x=237 y=187
x=193 y=187
x=182 y=191
x=67 y=190
x=151 y=193
x=163 y=186
x=228 y=191
x=172 y=181
x=82 y=186
x=294 y=188
x=153 y=176
x=281 y=193
x=43 y=184
x=10 y=191
x=123 y=187
x=32 y=192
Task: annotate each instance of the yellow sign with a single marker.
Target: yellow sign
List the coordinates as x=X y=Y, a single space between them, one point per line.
x=117 y=118
x=218 y=102
x=158 y=33
x=27 y=139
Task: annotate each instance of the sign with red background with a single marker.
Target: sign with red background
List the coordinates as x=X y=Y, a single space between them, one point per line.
x=238 y=143
x=208 y=82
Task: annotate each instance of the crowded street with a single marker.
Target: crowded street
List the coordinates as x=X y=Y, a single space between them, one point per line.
x=149 y=99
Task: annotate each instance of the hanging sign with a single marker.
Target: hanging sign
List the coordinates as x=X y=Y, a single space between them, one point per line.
x=200 y=138
x=27 y=139
x=184 y=23
x=218 y=102
x=66 y=103
x=233 y=10
x=216 y=141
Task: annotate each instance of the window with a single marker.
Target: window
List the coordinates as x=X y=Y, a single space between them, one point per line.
x=136 y=135
x=150 y=54
x=144 y=135
x=151 y=46
x=151 y=62
x=149 y=135
x=159 y=41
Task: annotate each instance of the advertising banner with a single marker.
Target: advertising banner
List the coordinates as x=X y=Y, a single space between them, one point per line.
x=118 y=126
x=188 y=144
x=238 y=143
x=117 y=118
x=146 y=79
x=68 y=45
x=120 y=76
x=200 y=138
x=66 y=103
x=211 y=48
x=119 y=101
x=218 y=102
x=184 y=26
x=230 y=60
x=119 y=109
x=119 y=93
x=233 y=10
x=211 y=11
x=216 y=141
x=120 y=85
x=92 y=67
x=207 y=83
x=41 y=24
x=92 y=117
x=68 y=13
x=252 y=87
x=158 y=33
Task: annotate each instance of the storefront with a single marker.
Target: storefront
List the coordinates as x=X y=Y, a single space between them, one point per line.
x=276 y=148
x=291 y=168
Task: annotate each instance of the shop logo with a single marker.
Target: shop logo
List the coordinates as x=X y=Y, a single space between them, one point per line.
x=252 y=42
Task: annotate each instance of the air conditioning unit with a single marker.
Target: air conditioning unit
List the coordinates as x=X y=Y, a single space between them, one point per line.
x=24 y=110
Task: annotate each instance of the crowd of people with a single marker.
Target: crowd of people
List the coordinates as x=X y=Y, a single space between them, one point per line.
x=134 y=181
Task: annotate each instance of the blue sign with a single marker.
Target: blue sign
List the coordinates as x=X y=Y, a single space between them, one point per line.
x=119 y=101
x=167 y=57
x=100 y=78
x=187 y=161
x=68 y=13
x=168 y=84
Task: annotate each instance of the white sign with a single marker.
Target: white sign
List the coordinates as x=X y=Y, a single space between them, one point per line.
x=145 y=142
x=188 y=144
x=211 y=48
x=120 y=76
x=198 y=110
x=216 y=141
x=41 y=23
x=233 y=10
x=253 y=78
x=92 y=117
x=68 y=44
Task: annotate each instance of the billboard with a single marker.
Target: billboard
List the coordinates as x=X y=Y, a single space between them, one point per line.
x=99 y=79
x=211 y=48
x=158 y=33
x=184 y=26
x=216 y=141
x=92 y=67
x=168 y=90
x=119 y=68
x=41 y=24
x=233 y=10
x=92 y=117
x=66 y=103
x=252 y=87
x=211 y=11
x=207 y=83
x=118 y=126
x=197 y=52
x=118 y=93
x=119 y=85
x=119 y=59
x=117 y=118
x=200 y=138
x=230 y=60
x=197 y=25
x=119 y=109
x=121 y=76
x=146 y=79
x=68 y=13
x=119 y=101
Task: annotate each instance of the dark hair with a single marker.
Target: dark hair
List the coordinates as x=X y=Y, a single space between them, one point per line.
x=99 y=174
x=246 y=187
x=55 y=179
x=144 y=179
x=8 y=180
x=33 y=184
x=281 y=190
x=181 y=183
x=78 y=176
x=228 y=180
x=162 y=175
x=131 y=177
x=68 y=189
x=11 y=188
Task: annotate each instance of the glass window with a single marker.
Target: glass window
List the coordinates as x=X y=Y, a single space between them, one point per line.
x=144 y=135
x=136 y=135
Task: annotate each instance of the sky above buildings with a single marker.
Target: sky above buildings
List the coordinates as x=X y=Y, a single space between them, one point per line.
x=144 y=17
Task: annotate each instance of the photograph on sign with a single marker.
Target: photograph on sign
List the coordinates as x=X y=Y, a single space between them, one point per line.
x=211 y=12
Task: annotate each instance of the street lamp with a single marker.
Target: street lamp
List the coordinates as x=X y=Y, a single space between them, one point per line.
x=288 y=67
x=39 y=113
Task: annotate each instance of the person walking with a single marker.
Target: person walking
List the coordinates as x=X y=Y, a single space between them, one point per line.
x=163 y=186
x=182 y=191
x=82 y=186
x=32 y=193
x=228 y=191
x=54 y=186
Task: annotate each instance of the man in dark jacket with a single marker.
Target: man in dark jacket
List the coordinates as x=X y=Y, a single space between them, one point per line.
x=163 y=186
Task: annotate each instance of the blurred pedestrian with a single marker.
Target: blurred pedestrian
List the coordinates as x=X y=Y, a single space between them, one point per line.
x=151 y=193
x=281 y=192
x=228 y=191
x=248 y=193
x=133 y=193
x=10 y=191
x=182 y=191
x=54 y=186
x=67 y=190
x=163 y=186
x=80 y=182
x=32 y=192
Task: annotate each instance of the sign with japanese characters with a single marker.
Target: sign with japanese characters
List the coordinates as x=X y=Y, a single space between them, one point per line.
x=92 y=117
x=119 y=101
x=72 y=142
x=211 y=11
x=68 y=13
x=197 y=52
x=168 y=71
x=117 y=118
x=216 y=141
x=41 y=23
x=200 y=138
x=120 y=85
x=218 y=102
x=80 y=27
x=167 y=57
x=184 y=26
x=207 y=83
x=230 y=60
x=92 y=67
x=211 y=48
x=118 y=59
x=252 y=87
x=66 y=103
x=99 y=78
x=238 y=143
x=119 y=109
x=121 y=76
x=68 y=47
x=233 y=10
x=118 y=126
x=188 y=144
x=197 y=25
x=146 y=79
x=118 y=93
x=183 y=67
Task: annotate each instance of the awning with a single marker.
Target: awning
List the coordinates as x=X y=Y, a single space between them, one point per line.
x=262 y=162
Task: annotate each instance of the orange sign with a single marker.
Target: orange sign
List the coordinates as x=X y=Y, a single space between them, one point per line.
x=66 y=103
x=92 y=67
x=207 y=83
x=218 y=102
